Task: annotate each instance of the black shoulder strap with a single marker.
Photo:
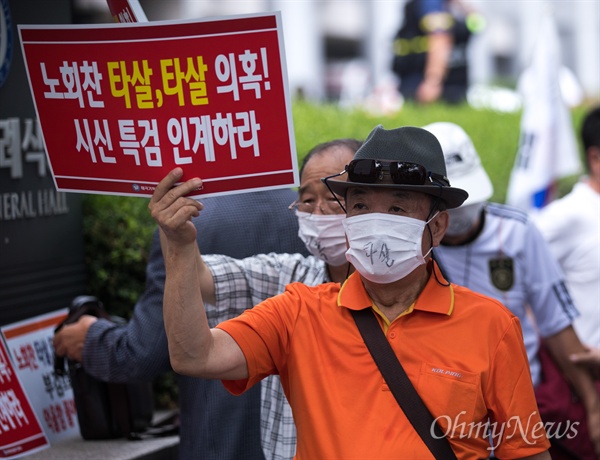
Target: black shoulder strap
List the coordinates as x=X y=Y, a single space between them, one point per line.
x=409 y=400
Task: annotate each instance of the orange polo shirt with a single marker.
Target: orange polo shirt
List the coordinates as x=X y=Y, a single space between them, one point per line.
x=463 y=352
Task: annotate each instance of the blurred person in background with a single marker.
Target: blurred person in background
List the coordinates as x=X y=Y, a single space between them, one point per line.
x=430 y=51
x=498 y=251
x=571 y=226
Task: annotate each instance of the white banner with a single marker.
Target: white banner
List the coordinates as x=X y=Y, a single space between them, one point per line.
x=547 y=145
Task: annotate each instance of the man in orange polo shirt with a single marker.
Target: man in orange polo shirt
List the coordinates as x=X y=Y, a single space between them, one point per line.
x=463 y=352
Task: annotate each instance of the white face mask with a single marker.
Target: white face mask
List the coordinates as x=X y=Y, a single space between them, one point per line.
x=323 y=236
x=462 y=219
x=385 y=247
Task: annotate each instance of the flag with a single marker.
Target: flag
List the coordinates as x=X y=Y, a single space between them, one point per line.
x=547 y=145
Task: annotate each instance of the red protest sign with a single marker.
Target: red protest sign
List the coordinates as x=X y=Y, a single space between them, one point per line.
x=19 y=427
x=120 y=105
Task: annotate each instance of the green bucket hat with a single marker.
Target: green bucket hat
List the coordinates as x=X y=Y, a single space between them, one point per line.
x=407 y=144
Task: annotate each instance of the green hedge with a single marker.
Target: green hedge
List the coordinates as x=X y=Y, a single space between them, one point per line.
x=118 y=230
x=117 y=235
x=495 y=135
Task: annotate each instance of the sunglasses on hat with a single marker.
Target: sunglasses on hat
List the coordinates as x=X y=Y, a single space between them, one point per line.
x=367 y=171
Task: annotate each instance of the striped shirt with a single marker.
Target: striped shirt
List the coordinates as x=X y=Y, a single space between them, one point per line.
x=510 y=261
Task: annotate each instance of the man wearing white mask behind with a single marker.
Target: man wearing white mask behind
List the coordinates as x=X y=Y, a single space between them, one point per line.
x=234 y=285
x=496 y=250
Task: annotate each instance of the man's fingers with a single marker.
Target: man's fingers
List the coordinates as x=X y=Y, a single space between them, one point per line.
x=166 y=193
x=166 y=187
x=182 y=210
x=166 y=184
x=173 y=210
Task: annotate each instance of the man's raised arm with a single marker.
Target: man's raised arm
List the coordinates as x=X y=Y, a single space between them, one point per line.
x=194 y=348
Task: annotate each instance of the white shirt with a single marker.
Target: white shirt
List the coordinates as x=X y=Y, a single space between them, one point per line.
x=571 y=226
x=510 y=261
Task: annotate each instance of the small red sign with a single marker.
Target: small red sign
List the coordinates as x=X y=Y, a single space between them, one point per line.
x=120 y=105
x=20 y=431
x=126 y=11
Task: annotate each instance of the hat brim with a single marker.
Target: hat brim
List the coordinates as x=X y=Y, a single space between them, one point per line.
x=452 y=196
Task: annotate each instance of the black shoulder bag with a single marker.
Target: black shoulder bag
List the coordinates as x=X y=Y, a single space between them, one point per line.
x=105 y=410
x=409 y=400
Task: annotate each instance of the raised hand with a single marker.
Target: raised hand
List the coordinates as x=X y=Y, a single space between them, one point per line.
x=173 y=211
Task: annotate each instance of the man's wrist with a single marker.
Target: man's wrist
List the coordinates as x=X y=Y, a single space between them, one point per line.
x=434 y=79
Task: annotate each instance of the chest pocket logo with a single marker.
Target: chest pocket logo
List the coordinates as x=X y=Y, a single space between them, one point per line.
x=502 y=273
x=452 y=395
